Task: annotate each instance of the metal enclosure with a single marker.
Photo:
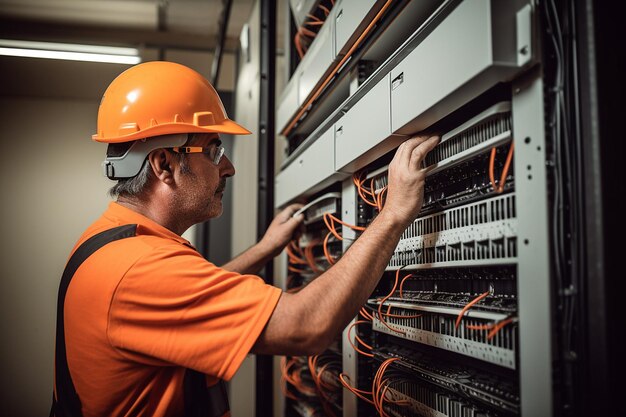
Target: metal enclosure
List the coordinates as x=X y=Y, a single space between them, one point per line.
x=476 y=334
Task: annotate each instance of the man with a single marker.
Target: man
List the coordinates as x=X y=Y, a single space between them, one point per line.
x=145 y=314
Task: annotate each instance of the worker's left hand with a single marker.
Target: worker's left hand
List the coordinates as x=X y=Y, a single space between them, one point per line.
x=282 y=229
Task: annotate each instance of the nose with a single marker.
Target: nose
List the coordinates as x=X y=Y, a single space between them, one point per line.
x=226 y=167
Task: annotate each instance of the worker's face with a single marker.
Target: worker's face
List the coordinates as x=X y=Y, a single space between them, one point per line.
x=202 y=182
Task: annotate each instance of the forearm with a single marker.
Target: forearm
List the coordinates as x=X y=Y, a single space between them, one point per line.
x=307 y=321
x=335 y=297
x=251 y=261
x=278 y=234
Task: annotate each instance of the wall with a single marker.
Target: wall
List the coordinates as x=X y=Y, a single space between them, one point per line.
x=245 y=190
x=53 y=188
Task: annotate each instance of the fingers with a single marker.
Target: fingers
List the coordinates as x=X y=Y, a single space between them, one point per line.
x=419 y=152
x=289 y=211
x=405 y=150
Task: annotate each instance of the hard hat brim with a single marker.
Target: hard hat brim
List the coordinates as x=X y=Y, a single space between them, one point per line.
x=227 y=127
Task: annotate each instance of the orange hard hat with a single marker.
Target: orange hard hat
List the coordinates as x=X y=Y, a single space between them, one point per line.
x=161 y=98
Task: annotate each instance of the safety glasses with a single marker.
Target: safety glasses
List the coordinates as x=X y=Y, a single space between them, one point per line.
x=215 y=153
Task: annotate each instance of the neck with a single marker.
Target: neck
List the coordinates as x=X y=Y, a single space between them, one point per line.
x=158 y=212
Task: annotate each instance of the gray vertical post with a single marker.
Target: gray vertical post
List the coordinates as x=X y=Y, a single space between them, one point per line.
x=217 y=56
x=264 y=367
x=350 y=358
x=533 y=279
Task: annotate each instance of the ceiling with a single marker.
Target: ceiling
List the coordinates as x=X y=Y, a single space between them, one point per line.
x=177 y=24
x=184 y=31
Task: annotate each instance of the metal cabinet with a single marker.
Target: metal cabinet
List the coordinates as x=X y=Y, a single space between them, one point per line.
x=309 y=172
x=471 y=50
x=316 y=61
x=348 y=16
x=364 y=126
x=287 y=103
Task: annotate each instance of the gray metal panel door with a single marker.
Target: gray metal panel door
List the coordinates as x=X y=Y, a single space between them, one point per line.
x=315 y=165
x=364 y=126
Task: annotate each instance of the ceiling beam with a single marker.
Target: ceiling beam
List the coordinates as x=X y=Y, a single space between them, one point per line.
x=41 y=31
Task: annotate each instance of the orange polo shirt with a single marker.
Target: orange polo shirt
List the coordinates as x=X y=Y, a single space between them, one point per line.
x=141 y=310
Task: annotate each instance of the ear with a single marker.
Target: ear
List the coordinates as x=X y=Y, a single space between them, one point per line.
x=161 y=162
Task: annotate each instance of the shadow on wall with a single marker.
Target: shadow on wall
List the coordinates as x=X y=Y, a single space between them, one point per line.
x=53 y=188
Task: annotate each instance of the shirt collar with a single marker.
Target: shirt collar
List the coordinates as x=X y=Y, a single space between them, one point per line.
x=145 y=226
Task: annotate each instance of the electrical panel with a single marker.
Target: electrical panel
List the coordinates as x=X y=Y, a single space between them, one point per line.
x=459 y=324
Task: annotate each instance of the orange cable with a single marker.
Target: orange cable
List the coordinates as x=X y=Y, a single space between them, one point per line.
x=379 y=198
x=356 y=178
x=283 y=379
x=317 y=19
x=307 y=32
x=356 y=334
x=400 y=316
x=402 y=283
x=293 y=257
x=507 y=165
x=308 y=255
x=380 y=306
x=296 y=41
x=370 y=355
x=468 y=306
x=366 y=314
x=382 y=401
x=296 y=270
x=327 y=254
x=378 y=382
x=488 y=326
x=359 y=393
x=351 y=226
x=331 y=226
x=363 y=192
x=499 y=326
x=505 y=171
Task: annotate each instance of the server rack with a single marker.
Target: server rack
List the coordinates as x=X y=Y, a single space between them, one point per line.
x=467 y=318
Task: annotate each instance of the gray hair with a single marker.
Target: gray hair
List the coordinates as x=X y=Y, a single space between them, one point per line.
x=135 y=186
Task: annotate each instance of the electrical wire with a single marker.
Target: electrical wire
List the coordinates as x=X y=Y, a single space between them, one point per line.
x=327 y=254
x=296 y=270
x=402 y=283
x=362 y=191
x=493 y=328
x=505 y=171
x=330 y=220
x=359 y=340
x=468 y=306
x=320 y=385
x=366 y=314
x=380 y=198
x=359 y=393
x=380 y=305
x=377 y=386
x=310 y=258
x=324 y=9
x=295 y=254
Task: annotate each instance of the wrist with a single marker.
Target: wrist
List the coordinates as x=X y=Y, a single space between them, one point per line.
x=394 y=221
x=266 y=249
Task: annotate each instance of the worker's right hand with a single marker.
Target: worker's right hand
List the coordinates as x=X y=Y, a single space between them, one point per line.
x=405 y=192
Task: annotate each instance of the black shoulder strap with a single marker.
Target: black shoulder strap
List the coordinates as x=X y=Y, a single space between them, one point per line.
x=67 y=403
x=199 y=401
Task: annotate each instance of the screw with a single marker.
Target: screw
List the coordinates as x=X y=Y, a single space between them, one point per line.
x=524 y=50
